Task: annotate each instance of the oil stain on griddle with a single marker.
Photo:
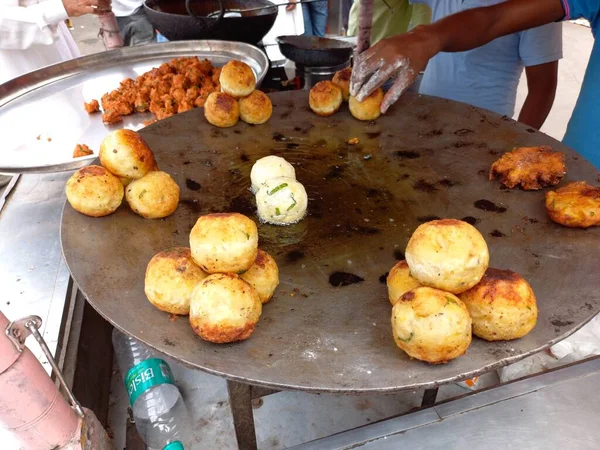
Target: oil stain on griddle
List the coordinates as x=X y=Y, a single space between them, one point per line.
x=471 y=220
x=191 y=204
x=383 y=278
x=192 y=185
x=243 y=205
x=407 y=154
x=487 y=205
x=398 y=254
x=339 y=279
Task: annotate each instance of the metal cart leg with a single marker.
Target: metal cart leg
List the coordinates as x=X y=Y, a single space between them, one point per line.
x=240 y=399
x=429 y=397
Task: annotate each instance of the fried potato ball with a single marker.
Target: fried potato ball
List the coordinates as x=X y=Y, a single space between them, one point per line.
x=575 y=205
x=171 y=276
x=281 y=201
x=125 y=154
x=531 y=167
x=224 y=242
x=237 y=79
x=221 y=110
x=270 y=167
x=263 y=276
x=399 y=281
x=154 y=196
x=224 y=308
x=325 y=98
x=256 y=108
x=369 y=108
x=431 y=325
x=502 y=306
x=342 y=80
x=447 y=254
x=94 y=191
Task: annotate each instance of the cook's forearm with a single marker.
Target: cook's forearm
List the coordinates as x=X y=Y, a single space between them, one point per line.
x=476 y=27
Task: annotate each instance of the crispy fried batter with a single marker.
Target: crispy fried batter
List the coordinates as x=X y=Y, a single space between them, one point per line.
x=531 y=167
x=576 y=205
x=174 y=87
x=92 y=107
x=82 y=150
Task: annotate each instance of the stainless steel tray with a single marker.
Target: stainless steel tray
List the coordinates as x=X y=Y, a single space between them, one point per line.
x=427 y=157
x=42 y=116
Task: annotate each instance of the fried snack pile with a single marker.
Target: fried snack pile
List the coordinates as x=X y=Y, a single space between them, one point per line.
x=576 y=205
x=174 y=87
x=445 y=287
x=530 y=167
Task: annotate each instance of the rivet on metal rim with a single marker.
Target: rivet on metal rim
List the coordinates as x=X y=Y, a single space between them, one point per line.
x=19 y=330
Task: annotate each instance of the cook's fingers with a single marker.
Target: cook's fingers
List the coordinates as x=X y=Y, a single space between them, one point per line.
x=376 y=80
x=362 y=71
x=403 y=80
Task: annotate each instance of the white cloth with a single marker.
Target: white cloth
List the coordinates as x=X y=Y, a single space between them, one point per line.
x=125 y=8
x=33 y=35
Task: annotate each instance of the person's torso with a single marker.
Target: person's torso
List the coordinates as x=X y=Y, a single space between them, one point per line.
x=486 y=77
x=125 y=8
x=583 y=132
x=390 y=17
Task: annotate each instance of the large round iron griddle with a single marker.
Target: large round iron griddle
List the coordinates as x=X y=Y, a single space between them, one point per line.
x=427 y=157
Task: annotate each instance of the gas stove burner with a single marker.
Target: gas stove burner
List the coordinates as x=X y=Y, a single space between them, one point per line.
x=310 y=76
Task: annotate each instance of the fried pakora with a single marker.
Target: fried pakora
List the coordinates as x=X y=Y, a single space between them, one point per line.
x=82 y=150
x=174 y=87
x=530 y=167
x=92 y=107
x=575 y=205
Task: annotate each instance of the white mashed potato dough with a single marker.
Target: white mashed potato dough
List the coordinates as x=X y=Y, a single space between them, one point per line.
x=281 y=201
x=270 y=167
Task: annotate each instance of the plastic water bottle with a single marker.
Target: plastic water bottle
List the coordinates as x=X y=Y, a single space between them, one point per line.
x=161 y=417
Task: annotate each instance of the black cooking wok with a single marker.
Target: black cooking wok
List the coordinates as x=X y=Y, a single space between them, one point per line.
x=313 y=51
x=171 y=19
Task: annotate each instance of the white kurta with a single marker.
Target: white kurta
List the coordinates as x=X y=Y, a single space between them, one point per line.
x=33 y=35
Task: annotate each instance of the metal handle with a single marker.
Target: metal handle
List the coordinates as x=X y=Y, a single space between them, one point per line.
x=19 y=330
x=206 y=24
x=260 y=8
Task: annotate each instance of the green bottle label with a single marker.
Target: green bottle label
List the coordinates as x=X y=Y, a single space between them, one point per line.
x=146 y=374
x=174 y=446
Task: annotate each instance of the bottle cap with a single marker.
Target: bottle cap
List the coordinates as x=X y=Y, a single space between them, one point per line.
x=174 y=446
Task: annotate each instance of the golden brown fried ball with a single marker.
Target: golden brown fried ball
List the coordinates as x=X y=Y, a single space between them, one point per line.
x=447 y=254
x=237 y=79
x=325 y=98
x=94 y=191
x=502 y=306
x=342 y=80
x=369 y=108
x=263 y=276
x=171 y=276
x=575 y=205
x=224 y=308
x=221 y=110
x=431 y=325
x=531 y=167
x=125 y=154
x=224 y=242
x=154 y=196
x=399 y=281
x=256 y=109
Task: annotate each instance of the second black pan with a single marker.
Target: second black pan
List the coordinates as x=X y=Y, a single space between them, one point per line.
x=313 y=51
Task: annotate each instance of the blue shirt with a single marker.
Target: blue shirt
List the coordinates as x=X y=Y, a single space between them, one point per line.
x=487 y=77
x=583 y=131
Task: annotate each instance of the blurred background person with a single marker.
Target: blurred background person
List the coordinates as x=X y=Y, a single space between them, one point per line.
x=315 y=18
x=33 y=33
x=390 y=17
x=134 y=25
x=488 y=76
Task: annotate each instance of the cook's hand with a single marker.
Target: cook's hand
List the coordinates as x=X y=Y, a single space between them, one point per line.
x=76 y=8
x=291 y=7
x=401 y=57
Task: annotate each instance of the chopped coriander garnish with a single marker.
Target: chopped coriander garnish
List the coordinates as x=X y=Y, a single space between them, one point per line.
x=592 y=213
x=450 y=300
x=142 y=194
x=277 y=212
x=247 y=235
x=277 y=189
x=292 y=205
